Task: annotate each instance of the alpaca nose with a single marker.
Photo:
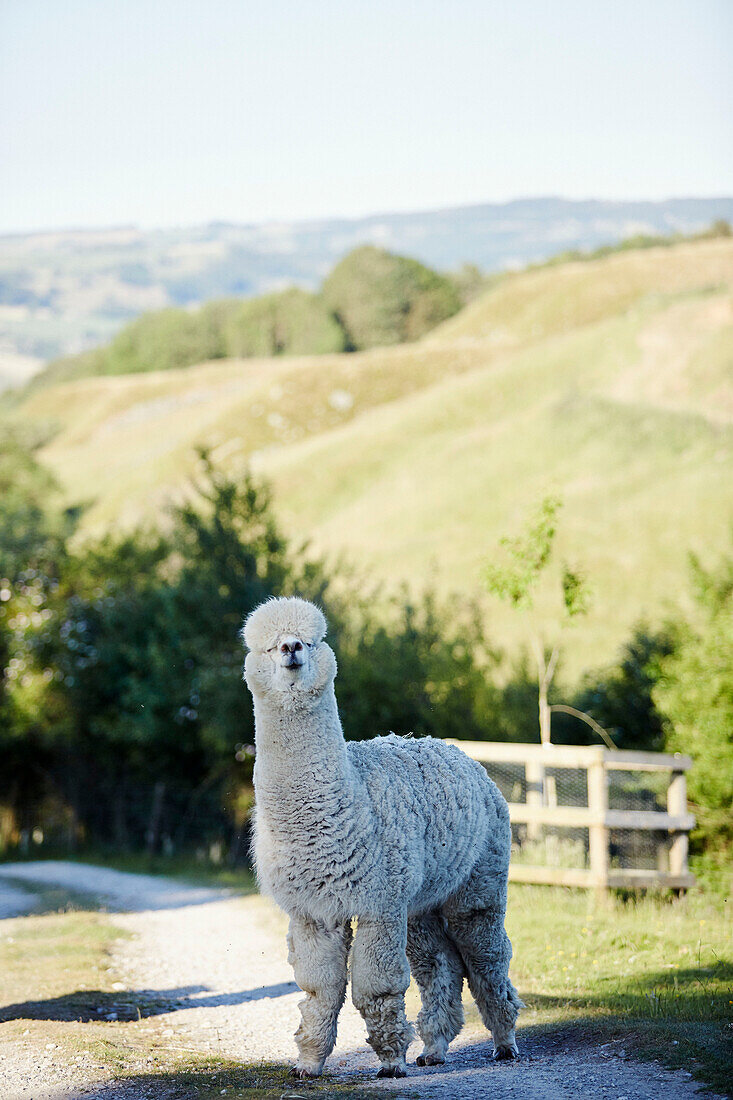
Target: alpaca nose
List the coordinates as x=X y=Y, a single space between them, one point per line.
x=291 y=652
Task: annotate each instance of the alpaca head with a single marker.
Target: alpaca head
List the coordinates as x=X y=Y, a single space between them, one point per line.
x=287 y=653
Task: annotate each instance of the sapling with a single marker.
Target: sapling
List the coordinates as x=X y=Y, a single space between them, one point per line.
x=515 y=578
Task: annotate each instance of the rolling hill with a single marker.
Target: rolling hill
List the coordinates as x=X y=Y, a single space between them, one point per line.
x=607 y=381
x=63 y=292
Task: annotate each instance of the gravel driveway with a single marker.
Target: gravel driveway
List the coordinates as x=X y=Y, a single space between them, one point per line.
x=218 y=964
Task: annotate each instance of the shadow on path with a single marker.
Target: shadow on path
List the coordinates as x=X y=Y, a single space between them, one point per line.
x=266 y=1081
x=93 y=1004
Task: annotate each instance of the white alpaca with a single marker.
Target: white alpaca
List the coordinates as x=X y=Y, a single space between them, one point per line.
x=411 y=837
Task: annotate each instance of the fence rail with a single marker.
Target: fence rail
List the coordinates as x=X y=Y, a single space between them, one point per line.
x=582 y=839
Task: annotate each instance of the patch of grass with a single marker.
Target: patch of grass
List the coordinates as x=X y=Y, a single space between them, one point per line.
x=556 y=299
x=654 y=973
x=46 y=951
x=423 y=489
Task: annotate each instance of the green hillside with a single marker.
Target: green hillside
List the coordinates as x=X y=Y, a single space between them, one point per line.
x=608 y=381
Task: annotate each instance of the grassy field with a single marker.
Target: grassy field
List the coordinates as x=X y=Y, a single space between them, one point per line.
x=607 y=381
x=651 y=977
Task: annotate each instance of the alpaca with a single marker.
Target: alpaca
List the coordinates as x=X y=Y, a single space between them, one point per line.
x=408 y=836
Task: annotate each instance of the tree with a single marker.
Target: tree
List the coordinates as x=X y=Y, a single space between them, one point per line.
x=121 y=698
x=33 y=528
x=515 y=579
x=409 y=669
x=164 y=340
x=33 y=554
x=147 y=654
x=694 y=694
x=291 y=322
x=469 y=281
x=382 y=299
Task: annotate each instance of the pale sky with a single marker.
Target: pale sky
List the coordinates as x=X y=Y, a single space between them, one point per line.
x=173 y=112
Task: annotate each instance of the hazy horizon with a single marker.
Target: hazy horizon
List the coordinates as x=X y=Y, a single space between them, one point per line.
x=42 y=230
x=167 y=114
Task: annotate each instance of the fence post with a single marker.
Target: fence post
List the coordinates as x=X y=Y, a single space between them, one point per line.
x=597 y=831
x=677 y=805
x=534 y=775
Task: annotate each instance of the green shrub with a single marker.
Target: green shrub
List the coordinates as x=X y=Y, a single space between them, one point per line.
x=470 y=281
x=370 y=298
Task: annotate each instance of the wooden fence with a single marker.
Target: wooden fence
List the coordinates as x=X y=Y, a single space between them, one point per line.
x=608 y=841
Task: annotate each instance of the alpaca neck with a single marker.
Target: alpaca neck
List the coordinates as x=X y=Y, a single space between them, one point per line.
x=300 y=754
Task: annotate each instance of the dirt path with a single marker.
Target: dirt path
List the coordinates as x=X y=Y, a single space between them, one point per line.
x=217 y=969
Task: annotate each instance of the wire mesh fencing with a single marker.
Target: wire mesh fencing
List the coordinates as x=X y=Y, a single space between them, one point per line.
x=590 y=816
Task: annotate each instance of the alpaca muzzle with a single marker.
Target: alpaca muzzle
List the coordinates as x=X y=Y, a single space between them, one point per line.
x=291 y=653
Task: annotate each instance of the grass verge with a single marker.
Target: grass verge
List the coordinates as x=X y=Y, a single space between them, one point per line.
x=652 y=975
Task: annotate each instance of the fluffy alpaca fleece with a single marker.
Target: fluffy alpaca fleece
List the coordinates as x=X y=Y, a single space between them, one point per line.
x=410 y=837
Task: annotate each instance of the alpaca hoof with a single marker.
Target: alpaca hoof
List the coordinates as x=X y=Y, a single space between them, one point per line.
x=392 y=1071
x=505 y=1054
x=300 y=1073
x=430 y=1060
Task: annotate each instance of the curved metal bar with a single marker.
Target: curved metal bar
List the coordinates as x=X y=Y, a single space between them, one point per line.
x=585 y=718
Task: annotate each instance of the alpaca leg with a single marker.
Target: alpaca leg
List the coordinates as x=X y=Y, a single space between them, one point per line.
x=318 y=955
x=475 y=918
x=438 y=970
x=380 y=974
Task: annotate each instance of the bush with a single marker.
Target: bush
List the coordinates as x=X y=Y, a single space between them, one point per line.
x=420 y=667
x=469 y=282
x=371 y=297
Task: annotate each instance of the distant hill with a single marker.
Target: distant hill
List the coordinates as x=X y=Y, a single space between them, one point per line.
x=64 y=292
x=371 y=298
x=608 y=381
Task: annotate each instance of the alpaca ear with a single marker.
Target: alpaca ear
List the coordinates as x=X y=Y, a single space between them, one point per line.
x=326 y=666
x=259 y=629
x=256 y=678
